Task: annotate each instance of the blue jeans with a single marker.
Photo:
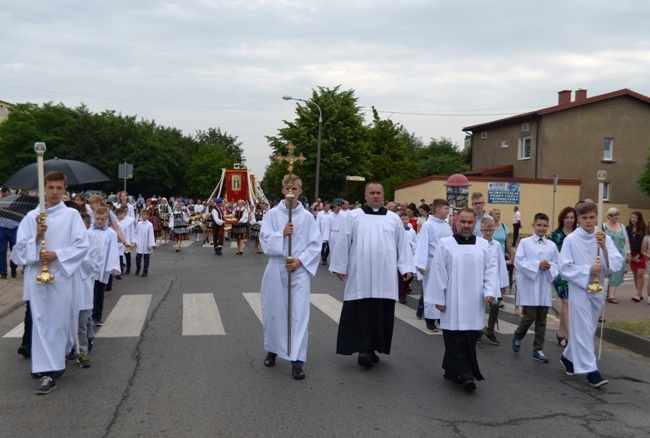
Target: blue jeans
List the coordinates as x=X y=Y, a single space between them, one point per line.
x=7 y=236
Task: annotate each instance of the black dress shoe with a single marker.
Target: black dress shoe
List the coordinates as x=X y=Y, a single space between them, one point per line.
x=23 y=350
x=13 y=273
x=365 y=359
x=469 y=385
x=297 y=372
x=144 y=274
x=269 y=360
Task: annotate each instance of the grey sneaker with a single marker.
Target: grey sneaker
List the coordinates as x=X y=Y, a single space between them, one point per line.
x=516 y=344
x=84 y=361
x=46 y=386
x=539 y=356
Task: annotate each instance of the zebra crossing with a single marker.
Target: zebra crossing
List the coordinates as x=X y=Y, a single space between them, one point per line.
x=201 y=316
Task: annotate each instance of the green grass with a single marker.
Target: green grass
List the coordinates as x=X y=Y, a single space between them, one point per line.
x=640 y=327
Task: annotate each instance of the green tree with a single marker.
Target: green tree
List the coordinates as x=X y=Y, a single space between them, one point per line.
x=390 y=160
x=215 y=137
x=441 y=157
x=343 y=146
x=27 y=124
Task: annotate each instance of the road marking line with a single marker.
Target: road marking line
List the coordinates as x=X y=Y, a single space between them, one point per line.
x=127 y=317
x=201 y=315
x=255 y=301
x=16 y=332
x=406 y=314
x=186 y=243
x=327 y=304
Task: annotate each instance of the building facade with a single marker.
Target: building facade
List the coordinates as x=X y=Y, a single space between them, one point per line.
x=4 y=110
x=573 y=140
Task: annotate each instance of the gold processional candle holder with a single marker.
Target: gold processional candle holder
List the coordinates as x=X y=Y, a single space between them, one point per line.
x=45 y=276
x=595 y=285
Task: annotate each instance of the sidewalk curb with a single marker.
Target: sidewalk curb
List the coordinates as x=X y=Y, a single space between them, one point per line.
x=624 y=339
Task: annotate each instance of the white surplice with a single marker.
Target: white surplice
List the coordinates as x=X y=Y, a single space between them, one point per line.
x=576 y=258
x=306 y=243
x=502 y=269
x=370 y=250
x=89 y=271
x=110 y=259
x=144 y=237
x=53 y=310
x=428 y=239
x=335 y=225
x=534 y=286
x=462 y=276
x=323 y=221
x=127 y=228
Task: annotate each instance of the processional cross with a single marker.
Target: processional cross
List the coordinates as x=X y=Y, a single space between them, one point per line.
x=289 y=200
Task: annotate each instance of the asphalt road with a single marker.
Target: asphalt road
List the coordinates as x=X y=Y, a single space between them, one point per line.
x=161 y=382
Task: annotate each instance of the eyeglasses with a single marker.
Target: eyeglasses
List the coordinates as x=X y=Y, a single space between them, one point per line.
x=478 y=203
x=487 y=230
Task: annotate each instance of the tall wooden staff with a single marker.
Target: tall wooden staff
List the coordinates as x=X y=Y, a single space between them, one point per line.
x=601 y=176
x=289 y=200
x=45 y=276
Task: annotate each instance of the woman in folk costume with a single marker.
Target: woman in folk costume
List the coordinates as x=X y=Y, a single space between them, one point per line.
x=207 y=223
x=154 y=218
x=178 y=226
x=164 y=211
x=239 y=229
x=256 y=226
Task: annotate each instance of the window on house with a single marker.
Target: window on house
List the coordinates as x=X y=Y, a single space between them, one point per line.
x=484 y=134
x=525 y=145
x=608 y=149
x=606 y=191
x=504 y=143
x=2 y=109
x=525 y=127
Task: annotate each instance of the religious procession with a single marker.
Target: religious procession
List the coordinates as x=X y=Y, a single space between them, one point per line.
x=461 y=259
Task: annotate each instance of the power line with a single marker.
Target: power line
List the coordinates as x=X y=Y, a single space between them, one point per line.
x=186 y=105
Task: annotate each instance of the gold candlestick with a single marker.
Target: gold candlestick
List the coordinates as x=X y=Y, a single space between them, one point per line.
x=40 y=148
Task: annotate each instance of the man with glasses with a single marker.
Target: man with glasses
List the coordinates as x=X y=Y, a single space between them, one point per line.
x=463 y=277
x=478 y=205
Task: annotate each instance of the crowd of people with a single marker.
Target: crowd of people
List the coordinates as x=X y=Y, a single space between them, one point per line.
x=463 y=257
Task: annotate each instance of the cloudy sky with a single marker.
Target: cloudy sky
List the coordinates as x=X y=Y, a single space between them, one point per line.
x=434 y=66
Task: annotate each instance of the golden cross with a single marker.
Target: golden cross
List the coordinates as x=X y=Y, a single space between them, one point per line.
x=291 y=158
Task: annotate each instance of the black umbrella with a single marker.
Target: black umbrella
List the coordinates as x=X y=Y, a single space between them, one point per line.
x=15 y=207
x=77 y=173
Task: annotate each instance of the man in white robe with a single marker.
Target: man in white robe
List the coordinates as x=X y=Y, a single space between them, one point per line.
x=578 y=267
x=371 y=248
x=434 y=229
x=336 y=223
x=306 y=244
x=52 y=307
x=464 y=278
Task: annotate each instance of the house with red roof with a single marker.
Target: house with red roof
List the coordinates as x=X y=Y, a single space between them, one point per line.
x=573 y=140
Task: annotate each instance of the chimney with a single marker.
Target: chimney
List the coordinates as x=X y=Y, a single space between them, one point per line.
x=580 y=94
x=564 y=97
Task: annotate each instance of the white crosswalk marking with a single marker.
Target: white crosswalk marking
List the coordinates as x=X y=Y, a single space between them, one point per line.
x=201 y=315
x=255 y=301
x=127 y=317
x=327 y=304
x=186 y=243
x=16 y=332
x=406 y=314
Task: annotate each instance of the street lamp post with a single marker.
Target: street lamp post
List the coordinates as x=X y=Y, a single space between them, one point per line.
x=320 y=129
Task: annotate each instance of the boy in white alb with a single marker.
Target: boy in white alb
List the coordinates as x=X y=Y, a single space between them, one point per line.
x=106 y=240
x=578 y=266
x=125 y=222
x=536 y=261
x=145 y=243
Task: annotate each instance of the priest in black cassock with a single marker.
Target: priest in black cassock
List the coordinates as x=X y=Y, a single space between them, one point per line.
x=464 y=276
x=371 y=251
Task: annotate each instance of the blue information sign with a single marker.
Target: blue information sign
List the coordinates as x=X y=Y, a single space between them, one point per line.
x=503 y=193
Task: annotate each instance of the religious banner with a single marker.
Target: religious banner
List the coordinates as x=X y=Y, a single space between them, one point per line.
x=503 y=193
x=236 y=185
